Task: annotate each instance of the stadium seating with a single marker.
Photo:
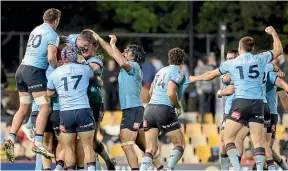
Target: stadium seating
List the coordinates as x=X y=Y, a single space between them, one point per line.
x=279 y=131
x=190 y=159
x=210 y=129
x=214 y=140
x=285 y=119
x=193 y=129
x=203 y=152
x=116 y=151
x=118 y=117
x=208 y=118
x=198 y=140
x=218 y=119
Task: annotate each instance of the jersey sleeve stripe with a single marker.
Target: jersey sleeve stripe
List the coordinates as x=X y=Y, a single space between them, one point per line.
x=220 y=71
x=101 y=66
x=175 y=83
x=272 y=56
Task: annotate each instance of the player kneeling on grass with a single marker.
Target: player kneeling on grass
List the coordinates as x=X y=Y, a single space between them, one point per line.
x=71 y=81
x=161 y=114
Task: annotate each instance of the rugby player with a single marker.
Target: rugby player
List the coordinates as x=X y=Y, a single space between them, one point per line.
x=244 y=131
x=247 y=72
x=224 y=160
x=161 y=114
x=129 y=81
x=53 y=124
x=71 y=81
x=31 y=79
x=86 y=42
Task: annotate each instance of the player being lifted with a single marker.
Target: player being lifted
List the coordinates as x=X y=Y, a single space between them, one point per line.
x=71 y=81
x=129 y=81
x=87 y=43
x=247 y=72
x=161 y=114
x=31 y=79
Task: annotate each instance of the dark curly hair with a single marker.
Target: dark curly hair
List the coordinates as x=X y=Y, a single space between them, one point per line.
x=176 y=56
x=137 y=52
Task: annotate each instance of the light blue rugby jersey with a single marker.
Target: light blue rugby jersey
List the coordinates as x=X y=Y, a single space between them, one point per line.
x=71 y=39
x=130 y=85
x=37 y=46
x=269 y=68
x=160 y=84
x=71 y=83
x=271 y=92
x=97 y=60
x=247 y=73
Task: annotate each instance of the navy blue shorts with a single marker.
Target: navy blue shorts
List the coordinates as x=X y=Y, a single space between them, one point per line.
x=132 y=118
x=79 y=120
x=267 y=116
x=244 y=111
x=52 y=123
x=30 y=79
x=162 y=117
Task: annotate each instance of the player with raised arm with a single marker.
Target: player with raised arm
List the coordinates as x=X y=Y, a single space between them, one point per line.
x=129 y=81
x=161 y=114
x=247 y=72
x=244 y=131
x=31 y=79
x=71 y=81
x=89 y=46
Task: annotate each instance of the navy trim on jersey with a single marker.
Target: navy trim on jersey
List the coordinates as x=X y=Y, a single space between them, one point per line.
x=275 y=80
x=175 y=83
x=220 y=71
x=97 y=64
x=271 y=55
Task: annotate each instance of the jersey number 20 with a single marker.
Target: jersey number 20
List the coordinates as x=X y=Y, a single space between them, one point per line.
x=78 y=77
x=34 y=41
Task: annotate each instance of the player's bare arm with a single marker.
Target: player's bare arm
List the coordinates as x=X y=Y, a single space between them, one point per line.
x=227 y=91
x=210 y=75
x=284 y=99
x=106 y=46
x=52 y=55
x=50 y=93
x=151 y=90
x=281 y=84
x=172 y=94
x=226 y=78
x=117 y=55
x=277 y=45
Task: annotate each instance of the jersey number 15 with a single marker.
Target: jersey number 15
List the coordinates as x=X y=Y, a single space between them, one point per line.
x=253 y=72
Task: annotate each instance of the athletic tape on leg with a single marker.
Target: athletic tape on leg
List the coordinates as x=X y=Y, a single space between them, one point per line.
x=127 y=143
x=42 y=100
x=26 y=99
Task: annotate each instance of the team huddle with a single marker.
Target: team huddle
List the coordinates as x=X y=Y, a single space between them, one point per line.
x=61 y=78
